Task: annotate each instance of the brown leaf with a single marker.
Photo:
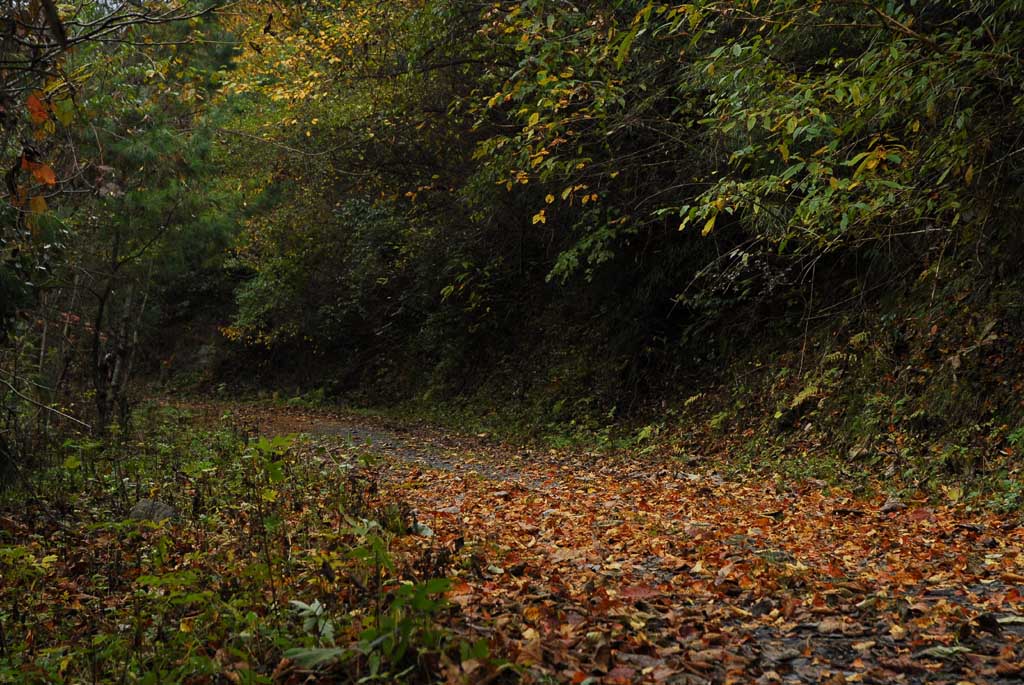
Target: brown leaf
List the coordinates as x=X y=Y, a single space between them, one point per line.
x=565 y=554
x=830 y=625
x=837 y=624
x=621 y=675
x=635 y=592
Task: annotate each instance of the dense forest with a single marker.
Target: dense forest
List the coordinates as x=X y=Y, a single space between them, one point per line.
x=746 y=212
x=773 y=239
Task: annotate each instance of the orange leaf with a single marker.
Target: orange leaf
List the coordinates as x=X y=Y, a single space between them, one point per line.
x=44 y=174
x=37 y=109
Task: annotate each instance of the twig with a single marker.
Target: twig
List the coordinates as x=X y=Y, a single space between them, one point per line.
x=43 y=406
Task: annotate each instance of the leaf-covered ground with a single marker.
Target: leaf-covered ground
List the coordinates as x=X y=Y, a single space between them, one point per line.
x=586 y=568
x=563 y=567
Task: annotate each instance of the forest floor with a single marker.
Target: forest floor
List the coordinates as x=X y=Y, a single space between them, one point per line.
x=611 y=568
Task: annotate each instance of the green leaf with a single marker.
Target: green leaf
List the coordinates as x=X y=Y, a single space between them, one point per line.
x=275 y=472
x=311 y=658
x=624 y=47
x=942 y=652
x=437 y=585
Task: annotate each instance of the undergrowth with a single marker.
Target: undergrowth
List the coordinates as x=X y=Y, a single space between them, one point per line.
x=282 y=563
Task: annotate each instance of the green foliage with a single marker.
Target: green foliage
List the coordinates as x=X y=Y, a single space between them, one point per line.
x=260 y=564
x=570 y=210
x=50 y=72
x=655 y=180
x=404 y=627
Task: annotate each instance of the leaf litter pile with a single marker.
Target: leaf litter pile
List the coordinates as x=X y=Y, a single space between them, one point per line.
x=568 y=567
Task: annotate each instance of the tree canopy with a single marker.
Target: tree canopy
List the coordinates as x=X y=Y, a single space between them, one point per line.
x=432 y=191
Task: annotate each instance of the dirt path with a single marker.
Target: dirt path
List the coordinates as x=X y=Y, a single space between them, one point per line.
x=626 y=570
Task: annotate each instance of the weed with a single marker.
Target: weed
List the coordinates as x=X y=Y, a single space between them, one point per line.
x=267 y=554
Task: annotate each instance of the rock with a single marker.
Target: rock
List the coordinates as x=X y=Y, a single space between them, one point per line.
x=152 y=510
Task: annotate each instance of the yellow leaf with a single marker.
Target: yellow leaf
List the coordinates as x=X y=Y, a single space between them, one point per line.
x=709 y=226
x=549 y=199
x=37 y=205
x=540 y=218
x=969 y=176
x=720 y=203
x=534 y=118
x=855 y=94
x=953 y=493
